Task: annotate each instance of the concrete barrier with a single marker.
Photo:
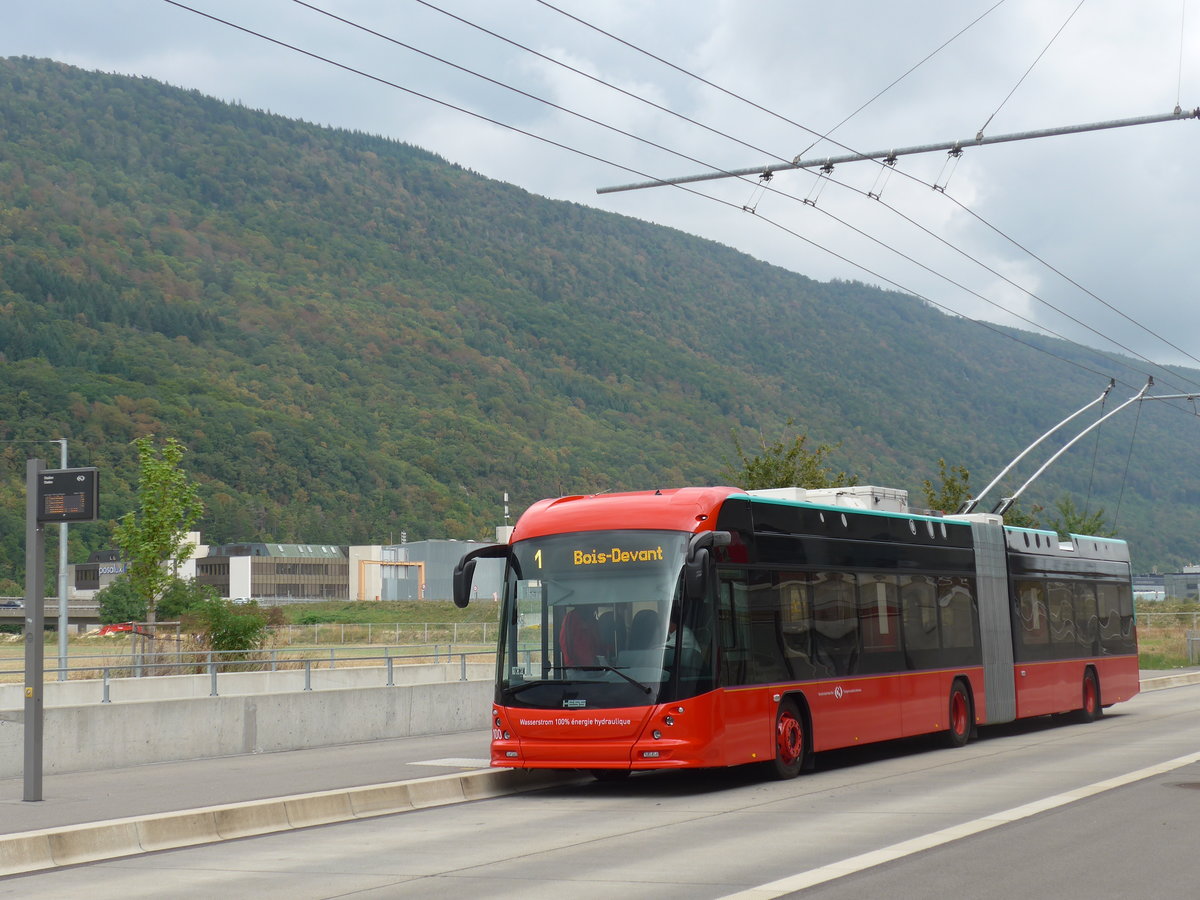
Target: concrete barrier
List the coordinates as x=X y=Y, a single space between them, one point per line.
x=318 y=809
x=1169 y=681
x=179 y=830
x=88 y=843
x=26 y=852
x=70 y=845
x=101 y=736
x=380 y=799
x=249 y=819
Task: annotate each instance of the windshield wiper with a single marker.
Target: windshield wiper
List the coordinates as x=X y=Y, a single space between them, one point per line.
x=613 y=669
x=518 y=688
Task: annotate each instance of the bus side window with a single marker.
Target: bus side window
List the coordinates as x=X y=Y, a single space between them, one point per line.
x=1059 y=599
x=732 y=625
x=1035 y=625
x=879 y=613
x=879 y=623
x=1116 y=618
x=768 y=657
x=1087 y=623
x=956 y=601
x=835 y=622
x=918 y=604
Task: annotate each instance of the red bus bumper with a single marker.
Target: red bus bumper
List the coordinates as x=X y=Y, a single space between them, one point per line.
x=665 y=736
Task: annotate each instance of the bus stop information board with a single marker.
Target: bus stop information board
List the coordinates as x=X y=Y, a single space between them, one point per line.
x=68 y=495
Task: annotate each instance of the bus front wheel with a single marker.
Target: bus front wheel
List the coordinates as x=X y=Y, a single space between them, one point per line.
x=960 y=716
x=791 y=741
x=1091 y=710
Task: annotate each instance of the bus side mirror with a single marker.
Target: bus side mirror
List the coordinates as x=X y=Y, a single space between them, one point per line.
x=464 y=572
x=698 y=564
x=695 y=575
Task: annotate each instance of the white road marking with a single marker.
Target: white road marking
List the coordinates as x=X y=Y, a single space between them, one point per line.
x=812 y=877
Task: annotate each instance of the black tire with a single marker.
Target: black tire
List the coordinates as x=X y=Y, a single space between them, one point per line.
x=1090 y=709
x=792 y=742
x=961 y=716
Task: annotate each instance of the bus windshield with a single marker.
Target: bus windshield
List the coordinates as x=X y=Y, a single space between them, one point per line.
x=588 y=619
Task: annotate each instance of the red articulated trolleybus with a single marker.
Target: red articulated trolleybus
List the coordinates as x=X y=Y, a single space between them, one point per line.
x=704 y=627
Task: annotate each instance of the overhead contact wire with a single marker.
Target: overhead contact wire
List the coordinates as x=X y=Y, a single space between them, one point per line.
x=907 y=175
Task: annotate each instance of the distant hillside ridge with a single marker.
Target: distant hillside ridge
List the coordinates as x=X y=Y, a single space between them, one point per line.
x=356 y=338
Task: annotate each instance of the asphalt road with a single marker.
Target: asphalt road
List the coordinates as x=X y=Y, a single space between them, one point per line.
x=1047 y=810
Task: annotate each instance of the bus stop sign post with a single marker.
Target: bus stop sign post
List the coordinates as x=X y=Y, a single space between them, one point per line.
x=35 y=649
x=51 y=495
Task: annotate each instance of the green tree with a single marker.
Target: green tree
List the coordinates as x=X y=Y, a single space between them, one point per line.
x=1071 y=520
x=952 y=493
x=120 y=601
x=226 y=628
x=785 y=463
x=181 y=595
x=152 y=539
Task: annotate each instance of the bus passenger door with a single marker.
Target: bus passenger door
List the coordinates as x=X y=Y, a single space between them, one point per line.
x=747 y=718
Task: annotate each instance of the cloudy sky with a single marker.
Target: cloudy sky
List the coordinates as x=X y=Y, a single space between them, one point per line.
x=1091 y=236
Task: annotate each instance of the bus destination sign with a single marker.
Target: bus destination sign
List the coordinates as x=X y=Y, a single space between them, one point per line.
x=68 y=495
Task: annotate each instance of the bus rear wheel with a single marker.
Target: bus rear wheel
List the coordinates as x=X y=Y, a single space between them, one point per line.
x=791 y=741
x=960 y=716
x=1091 y=710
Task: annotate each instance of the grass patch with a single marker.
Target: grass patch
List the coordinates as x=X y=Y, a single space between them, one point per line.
x=379 y=611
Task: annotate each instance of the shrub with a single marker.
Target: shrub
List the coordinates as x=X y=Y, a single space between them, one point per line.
x=225 y=627
x=120 y=602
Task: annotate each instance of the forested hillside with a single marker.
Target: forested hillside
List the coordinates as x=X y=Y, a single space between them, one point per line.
x=354 y=337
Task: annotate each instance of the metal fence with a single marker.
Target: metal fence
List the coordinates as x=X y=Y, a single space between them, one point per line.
x=391 y=633
x=1168 y=619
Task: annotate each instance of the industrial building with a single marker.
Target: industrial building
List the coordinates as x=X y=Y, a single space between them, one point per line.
x=268 y=571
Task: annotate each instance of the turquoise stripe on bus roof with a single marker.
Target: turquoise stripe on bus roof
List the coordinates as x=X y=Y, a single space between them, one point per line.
x=1049 y=531
x=1053 y=533
x=922 y=518
x=854 y=509
x=1096 y=537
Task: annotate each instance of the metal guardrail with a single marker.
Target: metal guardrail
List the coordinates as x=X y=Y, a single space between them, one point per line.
x=212 y=664
x=1193 y=647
